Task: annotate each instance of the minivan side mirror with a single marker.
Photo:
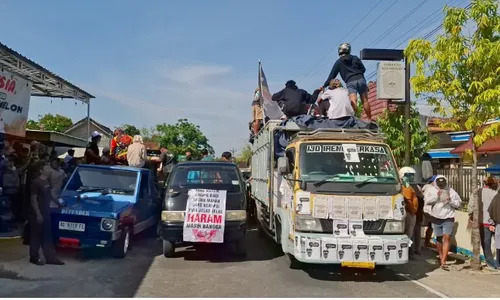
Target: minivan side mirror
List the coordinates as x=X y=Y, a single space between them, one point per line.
x=283 y=165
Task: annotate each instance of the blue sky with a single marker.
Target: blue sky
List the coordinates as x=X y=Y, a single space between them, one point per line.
x=155 y=61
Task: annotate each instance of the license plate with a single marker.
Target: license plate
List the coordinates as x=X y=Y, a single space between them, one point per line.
x=72 y=226
x=361 y=265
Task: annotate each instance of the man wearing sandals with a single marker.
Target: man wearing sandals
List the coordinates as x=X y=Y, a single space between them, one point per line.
x=441 y=201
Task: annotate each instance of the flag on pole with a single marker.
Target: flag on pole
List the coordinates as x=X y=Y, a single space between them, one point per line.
x=271 y=108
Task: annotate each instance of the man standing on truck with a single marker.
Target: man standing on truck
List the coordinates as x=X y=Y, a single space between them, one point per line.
x=257 y=111
x=352 y=71
x=293 y=100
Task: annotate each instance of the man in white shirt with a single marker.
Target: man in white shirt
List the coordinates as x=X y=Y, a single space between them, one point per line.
x=336 y=104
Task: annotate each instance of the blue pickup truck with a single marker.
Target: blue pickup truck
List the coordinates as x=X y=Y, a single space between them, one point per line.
x=103 y=206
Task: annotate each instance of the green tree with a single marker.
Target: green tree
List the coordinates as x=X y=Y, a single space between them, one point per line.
x=50 y=122
x=392 y=125
x=245 y=155
x=460 y=77
x=149 y=134
x=181 y=136
x=130 y=129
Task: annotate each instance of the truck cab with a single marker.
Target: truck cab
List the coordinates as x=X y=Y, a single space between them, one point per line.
x=334 y=197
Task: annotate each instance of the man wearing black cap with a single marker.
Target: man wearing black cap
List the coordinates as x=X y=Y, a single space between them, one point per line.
x=292 y=99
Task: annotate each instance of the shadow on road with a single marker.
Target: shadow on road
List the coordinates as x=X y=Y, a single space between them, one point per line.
x=414 y=270
x=258 y=249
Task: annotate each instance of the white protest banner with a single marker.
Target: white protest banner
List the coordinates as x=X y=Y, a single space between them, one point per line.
x=205 y=216
x=15 y=95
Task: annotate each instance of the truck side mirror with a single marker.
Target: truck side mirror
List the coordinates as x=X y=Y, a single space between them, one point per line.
x=283 y=165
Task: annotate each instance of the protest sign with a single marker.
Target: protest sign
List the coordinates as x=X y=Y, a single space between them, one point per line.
x=15 y=95
x=205 y=216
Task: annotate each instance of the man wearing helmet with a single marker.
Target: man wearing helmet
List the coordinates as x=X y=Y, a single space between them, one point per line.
x=352 y=71
x=407 y=175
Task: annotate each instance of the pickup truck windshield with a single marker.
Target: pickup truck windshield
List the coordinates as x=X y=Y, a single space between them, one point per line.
x=359 y=163
x=206 y=177
x=110 y=180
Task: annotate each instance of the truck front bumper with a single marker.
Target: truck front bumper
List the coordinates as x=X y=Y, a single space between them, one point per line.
x=318 y=248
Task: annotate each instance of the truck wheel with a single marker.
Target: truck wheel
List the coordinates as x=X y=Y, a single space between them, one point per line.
x=292 y=262
x=168 y=249
x=240 y=248
x=120 y=247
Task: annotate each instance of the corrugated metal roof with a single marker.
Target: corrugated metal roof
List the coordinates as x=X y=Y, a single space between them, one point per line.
x=45 y=82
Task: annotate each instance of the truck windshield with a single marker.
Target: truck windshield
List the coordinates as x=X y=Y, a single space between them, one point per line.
x=111 y=181
x=337 y=162
x=206 y=177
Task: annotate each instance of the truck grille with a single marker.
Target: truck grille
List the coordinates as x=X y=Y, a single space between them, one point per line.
x=369 y=227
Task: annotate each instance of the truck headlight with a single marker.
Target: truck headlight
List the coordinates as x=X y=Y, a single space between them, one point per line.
x=236 y=215
x=307 y=223
x=107 y=224
x=394 y=226
x=172 y=216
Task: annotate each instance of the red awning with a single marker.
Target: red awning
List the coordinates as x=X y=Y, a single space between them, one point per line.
x=490 y=146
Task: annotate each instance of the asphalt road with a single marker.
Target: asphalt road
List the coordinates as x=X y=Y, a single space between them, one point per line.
x=211 y=273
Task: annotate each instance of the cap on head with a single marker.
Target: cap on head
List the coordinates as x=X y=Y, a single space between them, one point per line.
x=344 y=48
x=441 y=182
x=96 y=134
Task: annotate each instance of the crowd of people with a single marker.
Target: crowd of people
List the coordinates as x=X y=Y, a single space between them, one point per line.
x=332 y=100
x=434 y=204
x=32 y=179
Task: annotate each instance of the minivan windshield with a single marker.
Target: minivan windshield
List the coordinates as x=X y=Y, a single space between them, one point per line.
x=113 y=181
x=205 y=177
x=337 y=162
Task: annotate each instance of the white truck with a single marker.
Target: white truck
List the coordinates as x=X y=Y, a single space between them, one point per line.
x=333 y=196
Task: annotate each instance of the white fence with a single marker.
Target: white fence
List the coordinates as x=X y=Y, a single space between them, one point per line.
x=460 y=180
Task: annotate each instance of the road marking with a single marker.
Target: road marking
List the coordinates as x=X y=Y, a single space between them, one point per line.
x=428 y=288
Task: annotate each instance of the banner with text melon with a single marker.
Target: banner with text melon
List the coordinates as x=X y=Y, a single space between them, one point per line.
x=15 y=95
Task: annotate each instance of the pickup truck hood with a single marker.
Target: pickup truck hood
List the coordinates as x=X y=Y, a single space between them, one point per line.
x=93 y=206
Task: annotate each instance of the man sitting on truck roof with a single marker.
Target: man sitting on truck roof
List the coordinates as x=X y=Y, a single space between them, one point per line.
x=336 y=104
x=352 y=71
x=292 y=100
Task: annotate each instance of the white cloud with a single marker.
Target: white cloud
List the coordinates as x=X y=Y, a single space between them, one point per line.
x=208 y=95
x=193 y=74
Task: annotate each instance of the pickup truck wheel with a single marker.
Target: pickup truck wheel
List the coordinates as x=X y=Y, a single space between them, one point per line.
x=292 y=262
x=168 y=249
x=122 y=245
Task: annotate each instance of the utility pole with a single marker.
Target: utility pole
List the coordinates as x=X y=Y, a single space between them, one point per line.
x=407 y=113
x=233 y=151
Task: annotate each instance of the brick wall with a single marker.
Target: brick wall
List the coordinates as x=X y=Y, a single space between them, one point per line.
x=377 y=106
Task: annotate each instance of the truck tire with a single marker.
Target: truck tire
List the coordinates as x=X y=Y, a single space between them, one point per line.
x=168 y=249
x=120 y=247
x=292 y=262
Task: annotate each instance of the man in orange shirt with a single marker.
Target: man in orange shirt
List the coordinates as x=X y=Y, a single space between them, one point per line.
x=407 y=175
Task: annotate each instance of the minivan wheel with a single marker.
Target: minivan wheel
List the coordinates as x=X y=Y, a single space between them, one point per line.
x=168 y=249
x=120 y=247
